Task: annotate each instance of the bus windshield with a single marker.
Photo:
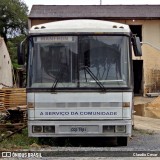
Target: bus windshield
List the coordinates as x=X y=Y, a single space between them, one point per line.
x=79 y=62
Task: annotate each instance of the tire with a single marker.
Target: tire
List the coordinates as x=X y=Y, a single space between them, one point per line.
x=45 y=140
x=122 y=141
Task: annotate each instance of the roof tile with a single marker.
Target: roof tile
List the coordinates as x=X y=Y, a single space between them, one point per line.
x=93 y=11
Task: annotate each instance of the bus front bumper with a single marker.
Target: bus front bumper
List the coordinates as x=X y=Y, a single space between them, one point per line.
x=109 y=128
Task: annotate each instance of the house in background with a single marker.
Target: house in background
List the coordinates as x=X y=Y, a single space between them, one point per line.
x=144 y=21
x=5 y=66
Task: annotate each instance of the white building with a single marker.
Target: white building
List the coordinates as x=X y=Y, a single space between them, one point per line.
x=5 y=66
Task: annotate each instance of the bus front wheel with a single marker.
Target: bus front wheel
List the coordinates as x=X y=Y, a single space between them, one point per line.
x=122 y=141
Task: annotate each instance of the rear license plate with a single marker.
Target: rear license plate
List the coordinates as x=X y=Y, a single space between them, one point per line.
x=79 y=129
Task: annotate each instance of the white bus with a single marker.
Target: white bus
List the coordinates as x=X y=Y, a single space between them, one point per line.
x=79 y=79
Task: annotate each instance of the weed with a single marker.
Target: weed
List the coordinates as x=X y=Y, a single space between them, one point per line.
x=18 y=141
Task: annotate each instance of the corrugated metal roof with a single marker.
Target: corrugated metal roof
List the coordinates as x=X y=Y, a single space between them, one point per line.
x=96 y=11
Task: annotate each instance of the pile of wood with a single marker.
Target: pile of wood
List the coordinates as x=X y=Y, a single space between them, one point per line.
x=13 y=108
x=11 y=98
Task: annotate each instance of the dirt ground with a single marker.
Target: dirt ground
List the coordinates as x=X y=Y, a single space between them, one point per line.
x=146 y=123
x=148 y=113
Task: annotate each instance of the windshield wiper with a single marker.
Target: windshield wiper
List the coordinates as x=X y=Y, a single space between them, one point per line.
x=86 y=69
x=55 y=84
x=60 y=75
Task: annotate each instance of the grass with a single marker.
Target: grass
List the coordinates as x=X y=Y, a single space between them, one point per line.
x=22 y=141
x=18 y=141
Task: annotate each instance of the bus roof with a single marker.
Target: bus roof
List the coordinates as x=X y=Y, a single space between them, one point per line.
x=80 y=26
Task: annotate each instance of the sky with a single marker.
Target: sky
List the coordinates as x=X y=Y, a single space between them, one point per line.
x=88 y=2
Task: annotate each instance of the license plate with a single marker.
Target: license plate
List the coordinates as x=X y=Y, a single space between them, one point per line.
x=79 y=129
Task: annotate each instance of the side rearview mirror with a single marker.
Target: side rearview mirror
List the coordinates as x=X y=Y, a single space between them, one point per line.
x=136 y=46
x=21 y=49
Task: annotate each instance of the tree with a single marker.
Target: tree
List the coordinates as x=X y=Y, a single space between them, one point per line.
x=13 y=19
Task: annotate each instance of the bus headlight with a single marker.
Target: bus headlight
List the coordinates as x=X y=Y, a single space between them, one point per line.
x=49 y=129
x=120 y=128
x=37 y=129
x=107 y=129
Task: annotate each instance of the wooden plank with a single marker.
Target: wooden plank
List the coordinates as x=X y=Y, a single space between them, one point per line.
x=11 y=125
x=13 y=97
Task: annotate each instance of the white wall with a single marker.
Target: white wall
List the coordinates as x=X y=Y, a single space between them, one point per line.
x=5 y=65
